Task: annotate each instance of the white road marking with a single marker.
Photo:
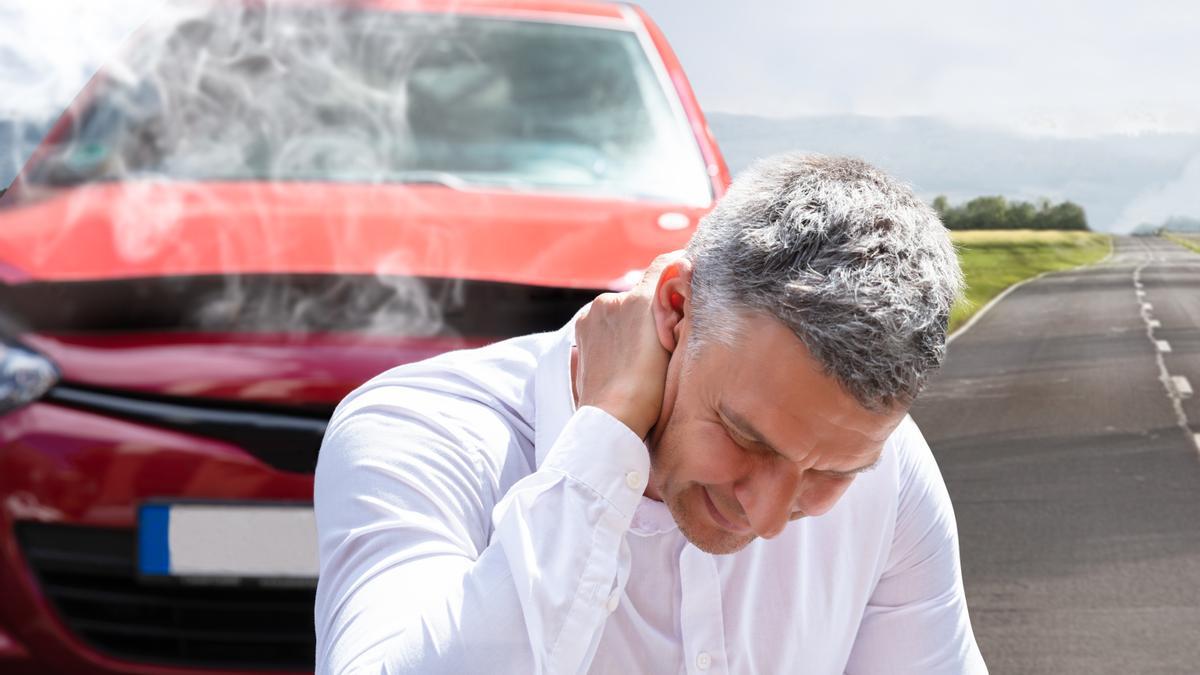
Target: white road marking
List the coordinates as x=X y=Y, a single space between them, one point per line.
x=1141 y=294
x=1154 y=323
x=1147 y=306
x=1172 y=390
x=1182 y=386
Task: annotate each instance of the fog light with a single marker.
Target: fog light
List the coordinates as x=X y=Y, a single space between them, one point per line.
x=25 y=376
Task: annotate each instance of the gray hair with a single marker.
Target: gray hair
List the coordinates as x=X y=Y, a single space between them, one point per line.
x=859 y=268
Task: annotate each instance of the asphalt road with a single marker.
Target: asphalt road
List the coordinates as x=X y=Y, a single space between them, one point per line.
x=1067 y=443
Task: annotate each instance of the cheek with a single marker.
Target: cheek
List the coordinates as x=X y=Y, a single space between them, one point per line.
x=704 y=453
x=819 y=494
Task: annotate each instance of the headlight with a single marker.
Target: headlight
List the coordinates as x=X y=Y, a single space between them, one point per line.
x=24 y=376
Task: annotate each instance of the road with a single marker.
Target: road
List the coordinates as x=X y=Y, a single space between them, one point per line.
x=1067 y=441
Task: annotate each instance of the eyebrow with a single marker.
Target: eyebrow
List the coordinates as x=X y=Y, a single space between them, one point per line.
x=746 y=429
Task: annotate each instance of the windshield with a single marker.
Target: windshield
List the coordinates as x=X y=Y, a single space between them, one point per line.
x=378 y=97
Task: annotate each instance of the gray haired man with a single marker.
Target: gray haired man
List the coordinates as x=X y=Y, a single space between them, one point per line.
x=713 y=472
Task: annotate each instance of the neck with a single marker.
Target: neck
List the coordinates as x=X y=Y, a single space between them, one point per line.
x=650 y=491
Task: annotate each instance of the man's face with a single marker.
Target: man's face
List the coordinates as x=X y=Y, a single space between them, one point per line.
x=755 y=435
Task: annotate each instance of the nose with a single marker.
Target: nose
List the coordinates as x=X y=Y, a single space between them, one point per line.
x=774 y=492
x=768 y=496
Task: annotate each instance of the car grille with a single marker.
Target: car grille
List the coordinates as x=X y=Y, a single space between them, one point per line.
x=283 y=440
x=89 y=576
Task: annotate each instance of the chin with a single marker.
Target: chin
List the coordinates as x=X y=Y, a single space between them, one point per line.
x=724 y=544
x=693 y=522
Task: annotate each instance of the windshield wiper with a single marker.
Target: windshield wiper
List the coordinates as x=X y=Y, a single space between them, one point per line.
x=441 y=178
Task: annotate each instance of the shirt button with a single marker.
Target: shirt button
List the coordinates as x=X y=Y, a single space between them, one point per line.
x=613 y=601
x=634 y=480
x=703 y=660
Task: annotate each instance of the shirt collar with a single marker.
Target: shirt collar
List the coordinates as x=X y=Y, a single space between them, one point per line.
x=554 y=402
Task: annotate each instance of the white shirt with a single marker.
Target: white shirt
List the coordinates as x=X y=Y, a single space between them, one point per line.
x=470 y=520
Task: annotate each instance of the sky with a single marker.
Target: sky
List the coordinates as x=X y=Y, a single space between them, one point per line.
x=1053 y=67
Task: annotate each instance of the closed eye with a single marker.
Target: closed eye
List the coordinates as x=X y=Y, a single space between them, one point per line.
x=740 y=439
x=850 y=474
x=750 y=444
x=737 y=436
x=745 y=435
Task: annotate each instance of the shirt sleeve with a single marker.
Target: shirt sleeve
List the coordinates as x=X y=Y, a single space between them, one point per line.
x=411 y=581
x=916 y=620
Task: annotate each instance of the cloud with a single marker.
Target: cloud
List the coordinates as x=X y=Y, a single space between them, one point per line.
x=49 y=49
x=1051 y=67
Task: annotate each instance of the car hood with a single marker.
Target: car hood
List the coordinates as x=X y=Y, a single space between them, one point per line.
x=295 y=294
x=151 y=229
x=311 y=372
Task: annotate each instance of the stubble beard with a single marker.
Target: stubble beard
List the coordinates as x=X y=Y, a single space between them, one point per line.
x=707 y=538
x=692 y=521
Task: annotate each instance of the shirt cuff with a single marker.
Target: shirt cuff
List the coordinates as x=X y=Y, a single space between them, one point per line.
x=599 y=451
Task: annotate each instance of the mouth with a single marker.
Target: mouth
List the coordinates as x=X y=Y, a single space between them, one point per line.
x=719 y=519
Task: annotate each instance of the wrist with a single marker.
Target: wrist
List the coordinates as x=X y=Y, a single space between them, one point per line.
x=635 y=419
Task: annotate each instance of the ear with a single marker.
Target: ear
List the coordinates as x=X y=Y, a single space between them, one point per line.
x=672 y=302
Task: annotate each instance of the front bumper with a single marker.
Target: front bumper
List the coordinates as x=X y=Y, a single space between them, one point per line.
x=70 y=483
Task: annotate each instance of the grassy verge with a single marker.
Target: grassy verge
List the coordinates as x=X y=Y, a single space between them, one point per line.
x=1191 y=241
x=993 y=260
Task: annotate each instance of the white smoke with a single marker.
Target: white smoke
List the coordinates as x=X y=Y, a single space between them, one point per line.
x=1154 y=205
x=203 y=89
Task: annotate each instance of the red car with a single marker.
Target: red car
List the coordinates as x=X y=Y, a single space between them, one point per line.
x=254 y=209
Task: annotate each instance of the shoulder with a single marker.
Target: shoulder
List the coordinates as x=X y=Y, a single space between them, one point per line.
x=467 y=411
x=899 y=500
x=918 y=477
x=925 y=526
x=497 y=374
x=462 y=383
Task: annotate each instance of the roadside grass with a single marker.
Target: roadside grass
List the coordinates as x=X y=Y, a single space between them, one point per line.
x=993 y=260
x=1189 y=240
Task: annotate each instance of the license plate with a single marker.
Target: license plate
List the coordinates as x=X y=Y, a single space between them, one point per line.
x=215 y=540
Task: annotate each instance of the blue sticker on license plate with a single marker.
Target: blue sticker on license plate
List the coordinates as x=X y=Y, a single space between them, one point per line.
x=154 y=550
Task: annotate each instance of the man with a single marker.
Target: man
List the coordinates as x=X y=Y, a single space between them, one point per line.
x=713 y=472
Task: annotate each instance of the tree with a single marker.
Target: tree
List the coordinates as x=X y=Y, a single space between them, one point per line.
x=1021 y=215
x=987 y=213
x=997 y=213
x=941 y=205
x=1182 y=224
x=1065 y=216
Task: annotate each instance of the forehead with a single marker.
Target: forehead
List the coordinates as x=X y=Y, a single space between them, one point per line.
x=769 y=379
